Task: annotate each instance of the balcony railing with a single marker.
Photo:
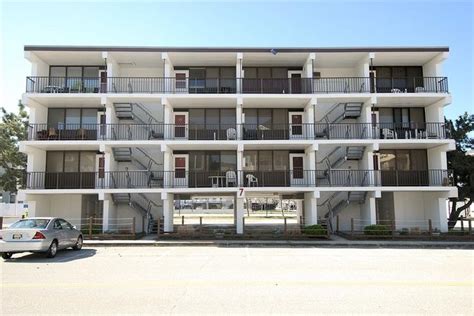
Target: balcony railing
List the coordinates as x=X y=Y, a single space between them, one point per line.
x=238 y=131
x=412 y=130
x=140 y=179
x=146 y=85
x=410 y=85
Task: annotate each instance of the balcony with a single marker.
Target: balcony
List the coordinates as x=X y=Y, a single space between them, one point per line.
x=230 y=179
x=410 y=85
x=68 y=132
x=145 y=85
x=411 y=130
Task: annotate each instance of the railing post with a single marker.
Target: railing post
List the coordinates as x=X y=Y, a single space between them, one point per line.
x=200 y=223
x=243 y=225
x=143 y=224
x=468 y=223
x=285 y=228
x=352 y=226
x=430 y=227
x=462 y=224
x=90 y=226
x=337 y=223
x=1 y=222
x=133 y=226
x=182 y=220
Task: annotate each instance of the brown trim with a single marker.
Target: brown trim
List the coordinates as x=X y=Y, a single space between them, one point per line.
x=234 y=49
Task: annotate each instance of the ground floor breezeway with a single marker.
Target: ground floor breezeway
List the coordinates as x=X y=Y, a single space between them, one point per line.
x=240 y=211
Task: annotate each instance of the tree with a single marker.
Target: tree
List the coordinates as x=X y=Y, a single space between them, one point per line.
x=461 y=164
x=13 y=128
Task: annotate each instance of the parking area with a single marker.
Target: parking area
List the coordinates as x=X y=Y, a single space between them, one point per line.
x=236 y=280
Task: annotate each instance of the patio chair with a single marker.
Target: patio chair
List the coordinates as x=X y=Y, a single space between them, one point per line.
x=52 y=134
x=389 y=134
x=251 y=179
x=420 y=89
x=231 y=134
x=230 y=178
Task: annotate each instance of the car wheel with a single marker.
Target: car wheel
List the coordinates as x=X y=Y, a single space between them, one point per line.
x=53 y=249
x=6 y=255
x=78 y=245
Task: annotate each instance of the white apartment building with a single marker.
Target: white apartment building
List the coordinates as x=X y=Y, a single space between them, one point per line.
x=353 y=134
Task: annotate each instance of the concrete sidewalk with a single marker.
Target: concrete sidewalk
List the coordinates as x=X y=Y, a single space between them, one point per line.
x=339 y=243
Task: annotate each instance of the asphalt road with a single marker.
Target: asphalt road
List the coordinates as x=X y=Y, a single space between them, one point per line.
x=216 y=280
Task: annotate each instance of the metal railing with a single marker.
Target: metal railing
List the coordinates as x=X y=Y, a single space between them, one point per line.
x=308 y=131
x=220 y=179
x=410 y=85
x=46 y=84
x=428 y=130
x=346 y=178
x=278 y=178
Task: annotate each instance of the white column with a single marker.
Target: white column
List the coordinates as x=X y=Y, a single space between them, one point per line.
x=308 y=119
x=238 y=72
x=167 y=165
x=168 y=211
x=107 y=204
x=240 y=165
x=238 y=118
x=167 y=119
x=442 y=215
x=310 y=208
x=299 y=210
x=239 y=214
x=308 y=66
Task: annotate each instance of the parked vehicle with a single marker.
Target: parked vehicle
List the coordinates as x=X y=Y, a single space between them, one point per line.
x=39 y=234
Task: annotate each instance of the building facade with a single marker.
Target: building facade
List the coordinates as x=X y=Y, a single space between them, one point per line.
x=353 y=134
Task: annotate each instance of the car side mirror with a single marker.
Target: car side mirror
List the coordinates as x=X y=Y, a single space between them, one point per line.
x=74 y=227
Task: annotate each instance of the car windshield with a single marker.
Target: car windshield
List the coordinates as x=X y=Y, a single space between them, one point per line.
x=31 y=223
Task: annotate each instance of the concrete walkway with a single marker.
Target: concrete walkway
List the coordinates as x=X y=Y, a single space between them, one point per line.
x=334 y=243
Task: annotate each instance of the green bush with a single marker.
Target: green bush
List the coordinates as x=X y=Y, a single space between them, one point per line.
x=315 y=230
x=377 y=230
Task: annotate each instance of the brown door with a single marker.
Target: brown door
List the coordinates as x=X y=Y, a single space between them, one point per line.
x=180 y=125
x=296 y=125
x=297 y=165
x=295 y=83
x=103 y=81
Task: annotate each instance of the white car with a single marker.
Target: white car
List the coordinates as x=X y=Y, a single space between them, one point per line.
x=39 y=234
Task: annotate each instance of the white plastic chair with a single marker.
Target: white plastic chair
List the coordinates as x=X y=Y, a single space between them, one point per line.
x=388 y=133
x=251 y=179
x=231 y=134
x=230 y=177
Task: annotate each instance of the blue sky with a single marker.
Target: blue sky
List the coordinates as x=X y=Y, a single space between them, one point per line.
x=231 y=23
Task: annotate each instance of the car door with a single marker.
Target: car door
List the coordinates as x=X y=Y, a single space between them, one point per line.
x=70 y=234
x=58 y=233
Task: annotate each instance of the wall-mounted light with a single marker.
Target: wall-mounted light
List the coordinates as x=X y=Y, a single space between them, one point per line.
x=273 y=51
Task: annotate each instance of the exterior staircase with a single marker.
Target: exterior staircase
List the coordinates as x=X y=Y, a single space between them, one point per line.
x=145 y=125
x=327 y=126
x=337 y=202
x=336 y=158
x=142 y=204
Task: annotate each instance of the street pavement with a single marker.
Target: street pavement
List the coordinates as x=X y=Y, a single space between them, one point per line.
x=239 y=280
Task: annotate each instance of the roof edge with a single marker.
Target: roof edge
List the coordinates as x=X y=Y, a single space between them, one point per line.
x=236 y=49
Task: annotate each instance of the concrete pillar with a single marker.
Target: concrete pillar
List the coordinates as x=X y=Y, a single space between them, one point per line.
x=168 y=119
x=299 y=210
x=310 y=208
x=308 y=119
x=238 y=117
x=107 y=204
x=240 y=165
x=167 y=165
x=442 y=215
x=308 y=66
x=239 y=214
x=238 y=72
x=168 y=211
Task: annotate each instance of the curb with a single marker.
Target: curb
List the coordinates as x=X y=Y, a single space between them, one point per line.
x=280 y=243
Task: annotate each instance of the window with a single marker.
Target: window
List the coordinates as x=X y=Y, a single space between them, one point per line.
x=70 y=161
x=57 y=225
x=72 y=119
x=64 y=224
x=250 y=158
x=403 y=159
x=265 y=160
